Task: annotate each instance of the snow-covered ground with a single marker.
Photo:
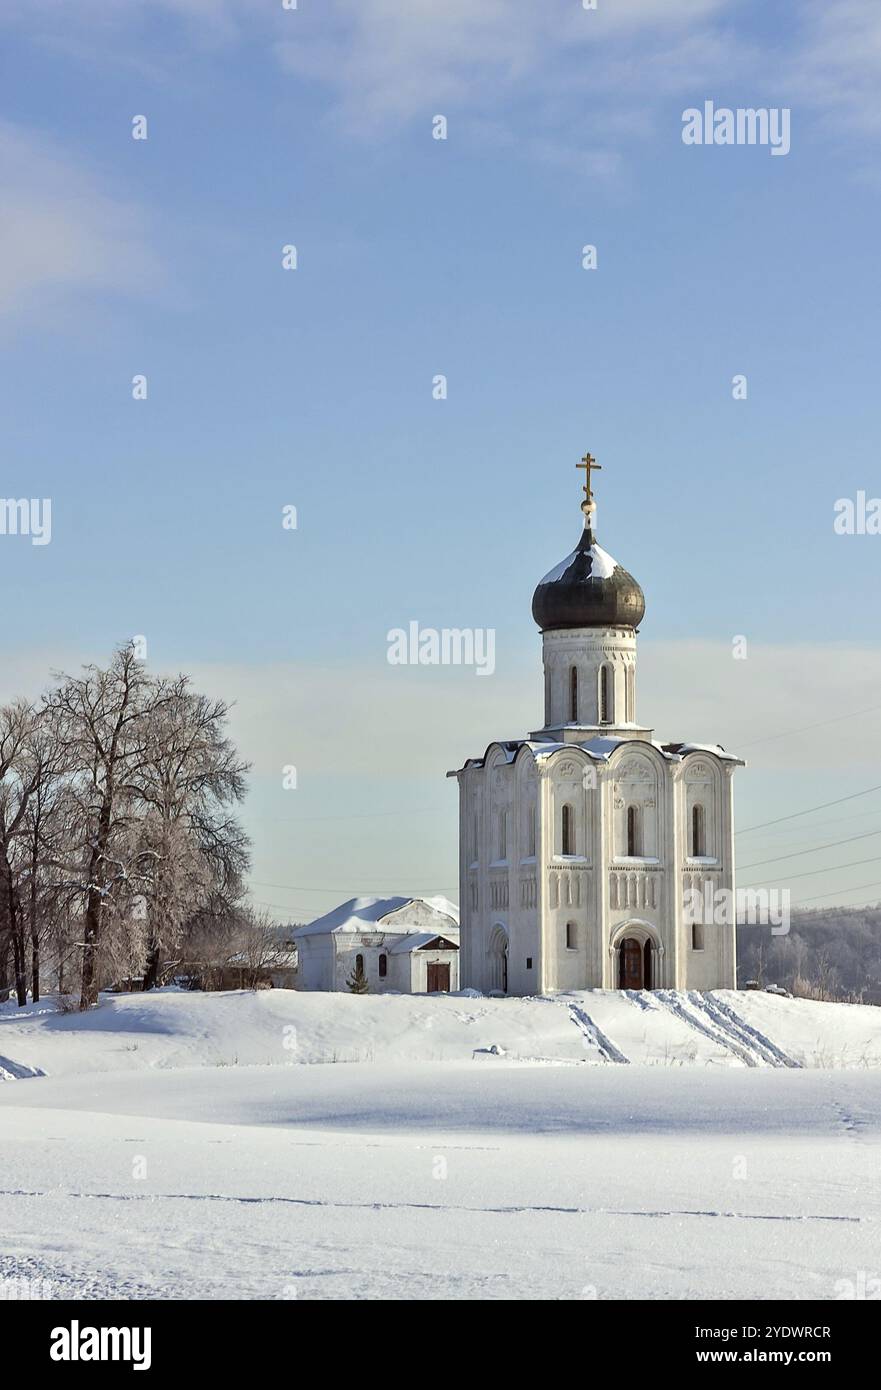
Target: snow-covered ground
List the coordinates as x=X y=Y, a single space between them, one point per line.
x=172 y=1028
x=666 y=1146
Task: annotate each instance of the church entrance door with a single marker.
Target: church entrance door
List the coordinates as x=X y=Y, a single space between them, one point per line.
x=498 y=960
x=438 y=978
x=631 y=964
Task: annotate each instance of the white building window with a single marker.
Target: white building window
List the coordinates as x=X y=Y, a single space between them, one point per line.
x=698 y=832
x=567 y=831
x=571 y=937
x=697 y=936
x=573 y=695
x=607 y=696
x=633 y=832
x=503 y=835
x=530 y=833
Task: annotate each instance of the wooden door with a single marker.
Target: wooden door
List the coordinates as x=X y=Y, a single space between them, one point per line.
x=630 y=957
x=438 y=977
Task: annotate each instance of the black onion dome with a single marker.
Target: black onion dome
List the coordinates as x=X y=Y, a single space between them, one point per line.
x=588 y=589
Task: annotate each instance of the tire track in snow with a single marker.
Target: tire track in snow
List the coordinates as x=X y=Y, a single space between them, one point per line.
x=17 y=1071
x=725 y=1040
x=595 y=1036
x=513 y=1209
x=642 y=998
x=725 y=1016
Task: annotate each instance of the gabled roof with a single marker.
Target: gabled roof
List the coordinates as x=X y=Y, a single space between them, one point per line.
x=360 y=915
x=424 y=941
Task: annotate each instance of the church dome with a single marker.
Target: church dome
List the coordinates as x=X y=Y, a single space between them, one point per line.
x=588 y=589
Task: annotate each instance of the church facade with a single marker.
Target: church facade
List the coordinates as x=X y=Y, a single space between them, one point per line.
x=584 y=845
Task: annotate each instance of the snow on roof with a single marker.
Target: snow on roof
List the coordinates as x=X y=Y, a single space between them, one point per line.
x=365 y=914
x=680 y=750
x=602 y=748
x=416 y=940
x=602 y=565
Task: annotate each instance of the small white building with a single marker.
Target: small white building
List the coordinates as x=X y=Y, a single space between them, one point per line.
x=404 y=946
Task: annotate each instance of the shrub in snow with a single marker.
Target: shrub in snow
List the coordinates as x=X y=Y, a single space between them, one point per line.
x=357 y=981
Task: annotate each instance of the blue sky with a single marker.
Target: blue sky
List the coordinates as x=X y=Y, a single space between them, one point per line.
x=312 y=387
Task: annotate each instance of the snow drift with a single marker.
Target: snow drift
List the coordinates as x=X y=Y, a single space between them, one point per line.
x=171 y=1029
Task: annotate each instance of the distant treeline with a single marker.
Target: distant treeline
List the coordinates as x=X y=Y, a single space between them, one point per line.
x=829 y=953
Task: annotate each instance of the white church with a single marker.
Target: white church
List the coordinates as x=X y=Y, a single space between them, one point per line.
x=579 y=844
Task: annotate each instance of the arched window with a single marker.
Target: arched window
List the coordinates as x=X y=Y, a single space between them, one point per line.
x=503 y=834
x=633 y=831
x=383 y=966
x=697 y=936
x=530 y=833
x=359 y=965
x=573 y=695
x=629 y=689
x=698 y=838
x=567 y=835
x=607 y=713
x=571 y=937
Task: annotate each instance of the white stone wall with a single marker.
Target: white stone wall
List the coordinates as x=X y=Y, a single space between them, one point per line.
x=704 y=779
x=569 y=895
x=587 y=653
x=498 y=886
x=524 y=900
x=417 y=963
x=639 y=901
x=406 y=972
x=316 y=962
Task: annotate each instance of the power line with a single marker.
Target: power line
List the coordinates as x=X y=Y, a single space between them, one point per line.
x=857 y=887
x=336 y=888
x=814 y=849
x=822 y=825
x=360 y=815
x=820 y=724
x=809 y=873
x=810 y=809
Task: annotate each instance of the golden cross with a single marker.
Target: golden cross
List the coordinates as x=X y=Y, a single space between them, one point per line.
x=588 y=463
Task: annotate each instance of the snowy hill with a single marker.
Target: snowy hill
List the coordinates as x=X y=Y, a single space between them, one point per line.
x=171 y=1029
x=660 y=1146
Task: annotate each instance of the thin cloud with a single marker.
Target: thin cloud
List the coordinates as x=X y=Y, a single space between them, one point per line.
x=63 y=232
x=836 y=67
x=385 y=61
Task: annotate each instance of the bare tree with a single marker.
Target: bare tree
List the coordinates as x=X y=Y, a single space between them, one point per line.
x=191 y=775
x=116 y=825
x=26 y=765
x=100 y=723
x=259 y=944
